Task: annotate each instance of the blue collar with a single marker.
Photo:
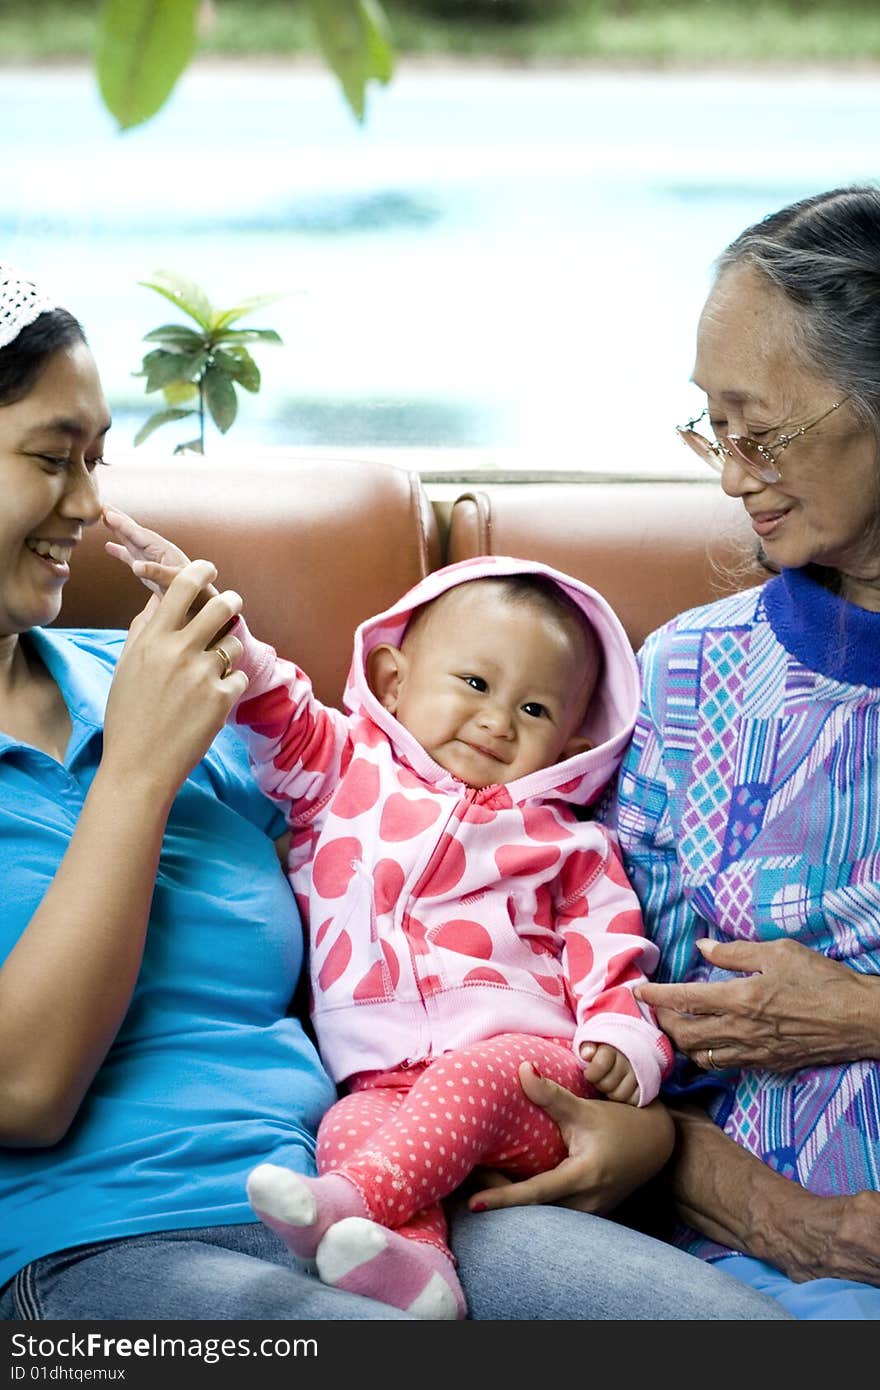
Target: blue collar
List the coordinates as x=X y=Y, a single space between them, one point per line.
x=83 y=681
x=827 y=634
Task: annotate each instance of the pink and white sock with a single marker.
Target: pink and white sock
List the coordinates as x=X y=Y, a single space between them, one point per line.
x=300 y=1210
x=362 y=1257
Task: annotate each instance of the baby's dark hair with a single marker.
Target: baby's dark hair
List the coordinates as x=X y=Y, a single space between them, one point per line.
x=539 y=590
x=22 y=360
x=545 y=593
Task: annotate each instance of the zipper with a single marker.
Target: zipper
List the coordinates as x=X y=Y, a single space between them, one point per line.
x=412 y=899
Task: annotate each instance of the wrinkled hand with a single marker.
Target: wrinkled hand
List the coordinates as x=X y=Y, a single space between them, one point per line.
x=610 y=1072
x=612 y=1150
x=842 y=1241
x=795 y=1009
x=727 y=1193
x=169 y=697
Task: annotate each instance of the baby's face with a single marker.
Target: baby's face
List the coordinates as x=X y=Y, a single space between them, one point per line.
x=494 y=689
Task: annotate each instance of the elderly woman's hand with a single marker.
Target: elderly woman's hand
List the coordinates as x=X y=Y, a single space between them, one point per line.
x=732 y=1197
x=841 y=1241
x=793 y=1007
x=612 y=1150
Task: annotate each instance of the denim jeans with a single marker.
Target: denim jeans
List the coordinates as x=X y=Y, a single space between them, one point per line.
x=526 y=1263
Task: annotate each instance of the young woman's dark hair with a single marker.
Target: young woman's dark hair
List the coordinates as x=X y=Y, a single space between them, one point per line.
x=22 y=360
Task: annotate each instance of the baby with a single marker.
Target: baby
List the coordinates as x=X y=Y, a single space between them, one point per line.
x=462 y=920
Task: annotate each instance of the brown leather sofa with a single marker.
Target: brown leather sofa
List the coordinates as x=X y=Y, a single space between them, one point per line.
x=312 y=547
x=315 y=545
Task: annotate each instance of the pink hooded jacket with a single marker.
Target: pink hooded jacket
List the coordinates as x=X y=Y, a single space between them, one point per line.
x=439 y=914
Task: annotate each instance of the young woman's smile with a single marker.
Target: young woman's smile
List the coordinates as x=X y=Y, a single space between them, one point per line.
x=50 y=445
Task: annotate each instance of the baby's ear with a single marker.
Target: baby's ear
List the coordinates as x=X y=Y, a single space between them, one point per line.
x=576 y=744
x=386 y=667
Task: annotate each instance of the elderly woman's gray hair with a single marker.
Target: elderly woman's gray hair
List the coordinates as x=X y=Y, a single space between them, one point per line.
x=823 y=253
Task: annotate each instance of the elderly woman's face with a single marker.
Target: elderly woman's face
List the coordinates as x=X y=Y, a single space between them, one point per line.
x=824 y=508
x=50 y=444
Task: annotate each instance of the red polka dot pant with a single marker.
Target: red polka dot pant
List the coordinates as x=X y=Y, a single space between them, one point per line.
x=408 y=1138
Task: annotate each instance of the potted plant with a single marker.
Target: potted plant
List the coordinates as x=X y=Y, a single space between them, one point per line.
x=198 y=369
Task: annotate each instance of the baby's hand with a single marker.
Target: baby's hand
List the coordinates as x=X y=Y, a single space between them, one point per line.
x=150 y=556
x=610 y=1072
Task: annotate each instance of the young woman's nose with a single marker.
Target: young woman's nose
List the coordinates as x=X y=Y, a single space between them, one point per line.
x=81 y=501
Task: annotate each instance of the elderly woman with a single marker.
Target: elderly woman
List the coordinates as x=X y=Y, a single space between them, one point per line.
x=144 y=1071
x=748 y=806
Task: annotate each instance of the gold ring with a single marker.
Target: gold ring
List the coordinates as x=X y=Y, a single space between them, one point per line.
x=708 y=1049
x=227 y=661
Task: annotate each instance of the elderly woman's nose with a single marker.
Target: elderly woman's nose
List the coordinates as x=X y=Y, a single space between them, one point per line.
x=736 y=480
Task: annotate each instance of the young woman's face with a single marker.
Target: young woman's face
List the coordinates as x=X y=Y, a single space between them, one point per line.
x=824 y=509
x=50 y=444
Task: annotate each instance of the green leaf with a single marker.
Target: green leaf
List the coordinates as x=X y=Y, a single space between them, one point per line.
x=220 y=398
x=154 y=366
x=186 y=294
x=191 y=446
x=380 y=47
x=227 y=316
x=240 y=366
x=354 y=39
x=248 y=335
x=176 y=335
x=161 y=367
x=161 y=417
x=142 y=48
x=177 y=392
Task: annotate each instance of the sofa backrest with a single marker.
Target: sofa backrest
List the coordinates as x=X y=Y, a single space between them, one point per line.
x=317 y=544
x=314 y=547
x=652 y=549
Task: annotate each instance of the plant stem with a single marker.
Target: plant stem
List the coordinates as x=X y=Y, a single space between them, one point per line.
x=202 y=414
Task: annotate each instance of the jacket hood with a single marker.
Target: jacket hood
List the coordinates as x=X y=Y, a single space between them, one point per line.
x=613 y=708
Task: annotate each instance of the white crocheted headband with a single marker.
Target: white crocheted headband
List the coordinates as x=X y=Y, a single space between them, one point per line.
x=21 y=301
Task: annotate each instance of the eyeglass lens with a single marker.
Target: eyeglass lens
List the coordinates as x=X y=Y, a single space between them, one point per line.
x=708 y=452
x=746 y=450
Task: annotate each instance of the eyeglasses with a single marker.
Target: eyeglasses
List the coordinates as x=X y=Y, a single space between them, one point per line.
x=757 y=459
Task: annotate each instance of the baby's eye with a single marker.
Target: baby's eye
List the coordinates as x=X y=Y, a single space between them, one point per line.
x=535 y=711
x=476 y=683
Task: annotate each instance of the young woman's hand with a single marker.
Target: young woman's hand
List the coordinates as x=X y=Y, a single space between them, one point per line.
x=612 y=1150
x=174 y=685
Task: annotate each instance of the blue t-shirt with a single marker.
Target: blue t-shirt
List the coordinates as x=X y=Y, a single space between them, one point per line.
x=208 y=1075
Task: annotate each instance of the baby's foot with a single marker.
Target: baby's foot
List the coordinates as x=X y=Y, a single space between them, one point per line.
x=299 y=1209
x=362 y=1257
